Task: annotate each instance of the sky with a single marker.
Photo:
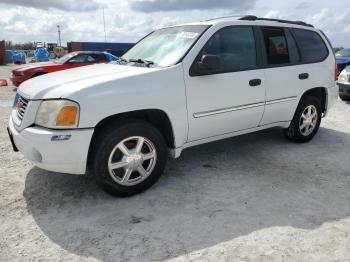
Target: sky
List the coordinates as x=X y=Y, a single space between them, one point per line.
x=129 y=20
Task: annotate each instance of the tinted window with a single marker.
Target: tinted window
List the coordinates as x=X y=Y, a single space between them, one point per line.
x=294 y=55
x=99 y=57
x=90 y=59
x=276 y=46
x=235 y=47
x=311 y=46
x=78 y=59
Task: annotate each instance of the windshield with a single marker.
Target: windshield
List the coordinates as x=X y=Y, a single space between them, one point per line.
x=64 y=58
x=166 y=47
x=343 y=52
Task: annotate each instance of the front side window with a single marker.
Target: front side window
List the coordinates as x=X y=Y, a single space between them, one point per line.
x=235 y=47
x=311 y=46
x=79 y=59
x=64 y=58
x=276 y=48
x=91 y=59
x=166 y=47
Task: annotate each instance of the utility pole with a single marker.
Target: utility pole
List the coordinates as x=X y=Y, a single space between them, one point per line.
x=59 y=35
x=104 y=22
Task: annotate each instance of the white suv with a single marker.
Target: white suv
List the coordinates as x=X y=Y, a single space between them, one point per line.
x=178 y=87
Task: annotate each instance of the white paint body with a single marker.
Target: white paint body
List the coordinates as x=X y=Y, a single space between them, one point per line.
x=104 y=90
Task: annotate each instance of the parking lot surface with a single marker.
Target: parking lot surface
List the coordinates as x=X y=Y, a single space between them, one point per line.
x=256 y=197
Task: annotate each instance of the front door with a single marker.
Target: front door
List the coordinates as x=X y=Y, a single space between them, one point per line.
x=231 y=98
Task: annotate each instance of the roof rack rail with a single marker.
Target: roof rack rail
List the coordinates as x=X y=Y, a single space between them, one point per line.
x=255 y=18
x=224 y=17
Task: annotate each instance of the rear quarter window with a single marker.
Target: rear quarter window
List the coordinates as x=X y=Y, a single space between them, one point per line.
x=311 y=46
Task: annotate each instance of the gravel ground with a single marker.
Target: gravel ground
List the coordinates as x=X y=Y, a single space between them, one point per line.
x=256 y=197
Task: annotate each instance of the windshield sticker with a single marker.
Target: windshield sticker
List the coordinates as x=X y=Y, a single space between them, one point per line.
x=189 y=35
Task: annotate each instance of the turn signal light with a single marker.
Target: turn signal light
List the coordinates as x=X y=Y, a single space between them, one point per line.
x=67 y=116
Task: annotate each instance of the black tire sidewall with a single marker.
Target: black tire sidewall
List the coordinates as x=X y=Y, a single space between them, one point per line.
x=344 y=98
x=293 y=132
x=109 y=138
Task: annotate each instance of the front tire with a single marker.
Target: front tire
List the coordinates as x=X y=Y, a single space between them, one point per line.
x=306 y=121
x=128 y=157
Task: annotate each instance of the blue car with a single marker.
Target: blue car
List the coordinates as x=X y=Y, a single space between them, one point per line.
x=343 y=58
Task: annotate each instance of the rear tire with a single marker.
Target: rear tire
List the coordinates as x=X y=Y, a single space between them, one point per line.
x=344 y=98
x=128 y=157
x=306 y=121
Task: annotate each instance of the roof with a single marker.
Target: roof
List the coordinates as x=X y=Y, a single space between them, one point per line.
x=89 y=52
x=250 y=19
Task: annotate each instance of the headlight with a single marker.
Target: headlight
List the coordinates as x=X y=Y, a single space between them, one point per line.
x=343 y=77
x=61 y=114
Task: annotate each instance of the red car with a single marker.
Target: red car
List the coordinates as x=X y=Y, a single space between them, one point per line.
x=71 y=60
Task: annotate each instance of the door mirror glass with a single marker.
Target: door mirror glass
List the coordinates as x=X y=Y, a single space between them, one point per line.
x=209 y=64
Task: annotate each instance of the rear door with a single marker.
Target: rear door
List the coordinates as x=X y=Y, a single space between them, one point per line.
x=281 y=58
x=315 y=59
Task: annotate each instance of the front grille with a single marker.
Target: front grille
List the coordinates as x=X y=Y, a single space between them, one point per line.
x=21 y=107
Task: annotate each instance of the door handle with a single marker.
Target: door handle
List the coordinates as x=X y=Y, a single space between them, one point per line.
x=303 y=76
x=255 y=82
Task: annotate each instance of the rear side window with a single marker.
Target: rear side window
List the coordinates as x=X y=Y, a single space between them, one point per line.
x=311 y=46
x=275 y=46
x=99 y=58
x=235 y=46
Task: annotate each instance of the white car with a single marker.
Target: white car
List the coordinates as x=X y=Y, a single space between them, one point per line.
x=178 y=87
x=344 y=84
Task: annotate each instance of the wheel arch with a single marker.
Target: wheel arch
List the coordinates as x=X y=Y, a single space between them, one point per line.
x=320 y=93
x=158 y=118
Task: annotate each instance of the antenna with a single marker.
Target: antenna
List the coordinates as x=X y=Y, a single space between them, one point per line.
x=59 y=35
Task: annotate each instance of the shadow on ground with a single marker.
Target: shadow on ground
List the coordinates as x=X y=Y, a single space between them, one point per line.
x=213 y=193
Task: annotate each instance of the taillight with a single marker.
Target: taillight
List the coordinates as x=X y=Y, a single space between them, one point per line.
x=336 y=72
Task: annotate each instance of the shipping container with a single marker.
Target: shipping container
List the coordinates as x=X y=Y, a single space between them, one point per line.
x=2 y=52
x=117 y=49
x=75 y=46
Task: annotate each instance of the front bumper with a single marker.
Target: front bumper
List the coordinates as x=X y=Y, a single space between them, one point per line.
x=68 y=156
x=344 y=89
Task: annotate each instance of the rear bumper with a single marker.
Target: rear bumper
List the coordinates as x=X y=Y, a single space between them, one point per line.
x=344 y=89
x=332 y=97
x=68 y=156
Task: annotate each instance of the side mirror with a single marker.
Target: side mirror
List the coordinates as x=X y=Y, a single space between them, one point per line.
x=209 y=64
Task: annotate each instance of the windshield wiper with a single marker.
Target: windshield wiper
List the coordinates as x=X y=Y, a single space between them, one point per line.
x=142 y=61
x=121 y=61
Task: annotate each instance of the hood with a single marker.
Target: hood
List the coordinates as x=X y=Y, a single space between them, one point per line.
x=342 y=60
x=62 y=83
x=33 y=66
